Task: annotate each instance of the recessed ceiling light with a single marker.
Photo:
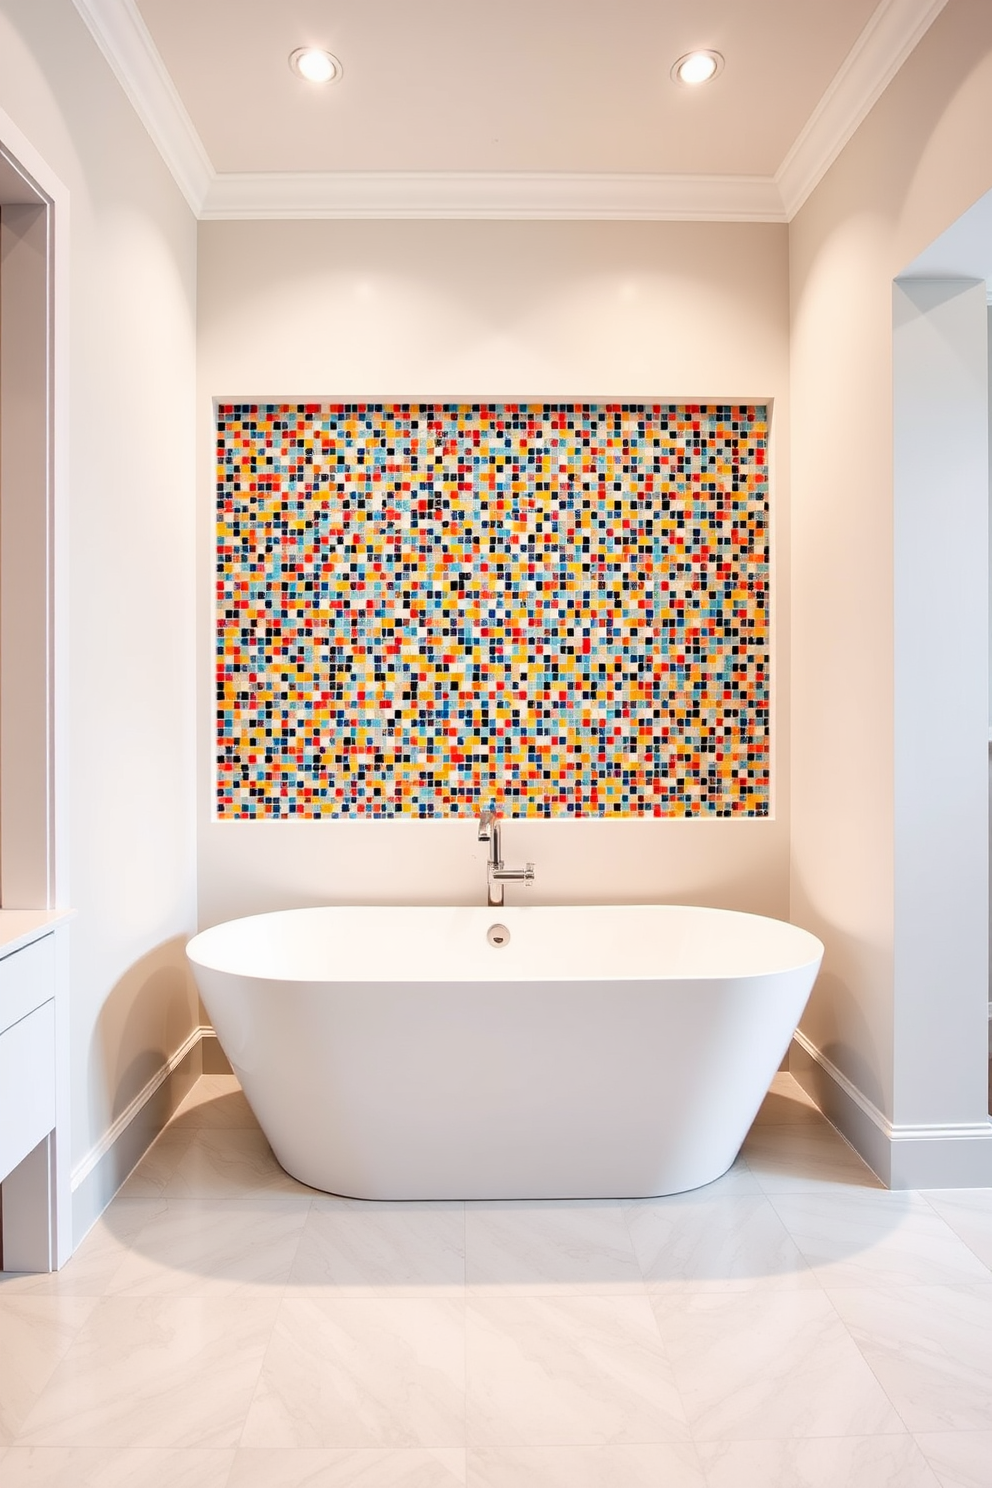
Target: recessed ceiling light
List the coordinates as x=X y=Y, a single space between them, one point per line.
x=315 y=65
x=697 y=67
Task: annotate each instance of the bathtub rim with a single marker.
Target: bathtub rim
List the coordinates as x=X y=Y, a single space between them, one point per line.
x=195 y=946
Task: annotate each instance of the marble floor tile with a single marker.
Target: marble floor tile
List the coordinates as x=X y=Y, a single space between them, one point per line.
x=102 y=1467
x=930 y=1347
x=960 y=1459
x=151 y=1177
x=738 y=1179
x=968 y=1211
x=803 y=1159
x=754 y=1365
x=787 y=1104
x=97 y=1258
x=662 y=1465
x=582 y=1371
x=361 y=1467
x=228 y=1163
x=36 y=1333
x=214 y=1247
x=223 y=1326
x=155 y=1372
x=729 y=1243
x=517 y=1249
x=362 y=1372
x=817 y=1462
x=864 y=1237
x=350 y=1248
x=214 y=1101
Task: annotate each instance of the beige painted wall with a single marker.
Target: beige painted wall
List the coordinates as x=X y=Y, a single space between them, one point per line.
x=125 y=793
x=494 y=309
x=920 y=159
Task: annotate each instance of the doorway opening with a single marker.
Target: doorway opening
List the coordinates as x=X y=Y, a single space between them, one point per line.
x=35 y=1228
x=943 y=665
x=27 y=866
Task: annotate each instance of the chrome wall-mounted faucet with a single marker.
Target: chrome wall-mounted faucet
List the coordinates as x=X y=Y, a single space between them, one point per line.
x=496 y=873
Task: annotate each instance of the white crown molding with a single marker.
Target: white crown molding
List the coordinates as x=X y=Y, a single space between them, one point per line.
x=890 y=35
x=125 y=41
x=514 y=194
x=892 y=32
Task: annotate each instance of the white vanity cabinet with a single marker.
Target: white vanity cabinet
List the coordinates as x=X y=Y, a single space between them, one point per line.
x=27 y=1050
x=30 y=1103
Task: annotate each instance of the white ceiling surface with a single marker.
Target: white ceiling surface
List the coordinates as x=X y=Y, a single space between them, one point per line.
x=529 y=108
x=522 y=85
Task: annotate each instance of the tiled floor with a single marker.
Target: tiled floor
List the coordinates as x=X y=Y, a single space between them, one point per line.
x=791 y=1326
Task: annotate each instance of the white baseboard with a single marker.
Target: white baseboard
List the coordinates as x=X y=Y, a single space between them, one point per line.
x=903 y=1156
x=100 y=1174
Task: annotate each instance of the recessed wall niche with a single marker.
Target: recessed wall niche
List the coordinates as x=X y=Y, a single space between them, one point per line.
x=560 y=609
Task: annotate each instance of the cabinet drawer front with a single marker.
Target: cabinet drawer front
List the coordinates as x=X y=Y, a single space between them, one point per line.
x=27 y=1085
x=27 y=979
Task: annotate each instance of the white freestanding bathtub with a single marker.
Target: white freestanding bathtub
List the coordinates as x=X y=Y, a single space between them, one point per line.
x=611 y=1051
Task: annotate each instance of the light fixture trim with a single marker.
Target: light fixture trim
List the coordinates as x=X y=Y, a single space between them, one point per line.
x=315 y=65
x=693 y=62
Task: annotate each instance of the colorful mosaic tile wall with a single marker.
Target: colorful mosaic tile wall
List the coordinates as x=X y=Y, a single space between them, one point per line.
x=559 y=609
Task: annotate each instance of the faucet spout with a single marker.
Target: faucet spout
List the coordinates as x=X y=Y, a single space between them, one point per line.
x=497 y=874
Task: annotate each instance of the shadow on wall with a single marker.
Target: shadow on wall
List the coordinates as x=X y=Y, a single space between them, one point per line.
x=148 y=1015
x=834 y=998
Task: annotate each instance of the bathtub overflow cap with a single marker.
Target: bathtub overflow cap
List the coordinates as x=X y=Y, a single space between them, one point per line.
x=498 y=935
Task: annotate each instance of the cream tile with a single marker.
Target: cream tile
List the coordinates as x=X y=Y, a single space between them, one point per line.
x=931 y=1349
x=787 y=1104
x=123 y=1220
x=228 y=1163
x=209 y=1088
x=214 y=1247
x=35 y=1334
x=863 y=1237
x=355 y=1249
x=968 y=1211
x=738 y=1179
x=724 y=1244
x=151 y=1177
x=818 y=1462
x=363 y=1467
x=155 y=1372
x=960 y=1459
x=804 y=1158
x=769 y=1364
x=668 y=1465
x=96 y=1260
x=526 y=1248
x=568 y=1370
x=362 y=1372
x=101 y=1467
x=215 y=1101
x=454 y=1459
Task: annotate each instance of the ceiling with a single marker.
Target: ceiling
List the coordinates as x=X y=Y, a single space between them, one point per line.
x=529 y=108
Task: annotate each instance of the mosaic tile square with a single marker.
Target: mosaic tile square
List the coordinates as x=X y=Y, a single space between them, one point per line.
x=559 y=609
